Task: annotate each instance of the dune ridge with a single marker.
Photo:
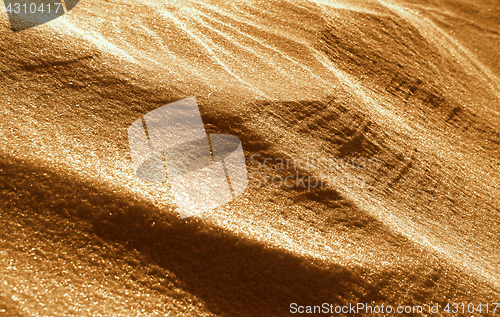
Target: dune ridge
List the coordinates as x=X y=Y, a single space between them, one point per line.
x=290 y=79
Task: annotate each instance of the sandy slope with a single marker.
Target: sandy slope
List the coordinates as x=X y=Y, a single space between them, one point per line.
x=414 y=84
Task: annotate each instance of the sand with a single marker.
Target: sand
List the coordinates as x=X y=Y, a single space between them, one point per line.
x=413 y=85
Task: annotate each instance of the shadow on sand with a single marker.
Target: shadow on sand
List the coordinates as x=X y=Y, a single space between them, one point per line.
x=232 y=275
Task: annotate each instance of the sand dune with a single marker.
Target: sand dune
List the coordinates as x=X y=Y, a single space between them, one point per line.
x=414 y=84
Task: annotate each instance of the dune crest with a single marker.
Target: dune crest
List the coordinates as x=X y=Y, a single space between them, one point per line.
x=391 y=80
